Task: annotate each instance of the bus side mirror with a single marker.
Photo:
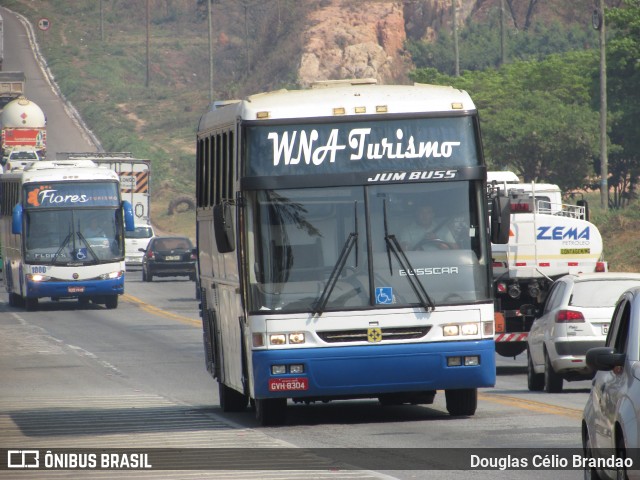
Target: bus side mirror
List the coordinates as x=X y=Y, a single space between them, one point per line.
x=129 y=222
x=500 y=219
x=16 y=220
x=223 y=228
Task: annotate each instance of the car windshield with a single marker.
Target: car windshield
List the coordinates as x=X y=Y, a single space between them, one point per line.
x=170 y=244
x=23 y=156
x=600 y=293
x=140 y=232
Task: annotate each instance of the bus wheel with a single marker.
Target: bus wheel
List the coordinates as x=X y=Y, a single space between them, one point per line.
x=231 y=400
x=271 y=411
x=111 y=301
x=31 y=304
x=14 y=300
x=462 y=402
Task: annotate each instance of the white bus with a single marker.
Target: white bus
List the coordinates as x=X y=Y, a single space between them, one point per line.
x=62 y=228
x=308 y=290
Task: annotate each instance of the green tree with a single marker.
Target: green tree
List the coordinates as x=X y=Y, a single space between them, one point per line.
x=536 y=117
x=623 y=99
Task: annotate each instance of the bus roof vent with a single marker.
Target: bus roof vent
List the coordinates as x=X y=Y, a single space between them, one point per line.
x=343 y=82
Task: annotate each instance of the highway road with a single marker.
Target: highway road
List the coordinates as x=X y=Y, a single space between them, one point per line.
x=135 y=377
x=90 y=377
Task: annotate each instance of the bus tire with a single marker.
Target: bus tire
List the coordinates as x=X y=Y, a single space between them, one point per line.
x=111 y=301
x=31 y=304
x=462 y=402
x=231 y=400
x=271 y=411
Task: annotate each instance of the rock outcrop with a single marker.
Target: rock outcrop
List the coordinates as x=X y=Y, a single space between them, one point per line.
x=346 y=42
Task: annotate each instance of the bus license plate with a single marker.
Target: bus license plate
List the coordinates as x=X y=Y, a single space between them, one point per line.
x=288 y=384
x=172 y=258
x=75 y=289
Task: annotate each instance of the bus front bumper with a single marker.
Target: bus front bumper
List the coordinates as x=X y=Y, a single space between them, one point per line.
x=371 y=370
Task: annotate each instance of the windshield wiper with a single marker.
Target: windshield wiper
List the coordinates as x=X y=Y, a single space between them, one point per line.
x=96 y=259
x=318 y=307
x=394 y=246
x=59 y=251
x=418 y=288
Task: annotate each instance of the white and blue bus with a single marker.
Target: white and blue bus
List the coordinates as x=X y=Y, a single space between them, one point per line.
x=62 y=228
x=308 y=290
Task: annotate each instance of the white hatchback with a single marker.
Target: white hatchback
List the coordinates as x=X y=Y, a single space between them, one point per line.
x=610 y=421
x=134 y=241
x=575 y=318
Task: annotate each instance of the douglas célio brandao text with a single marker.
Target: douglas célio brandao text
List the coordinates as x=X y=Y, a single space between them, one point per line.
x=547 y=462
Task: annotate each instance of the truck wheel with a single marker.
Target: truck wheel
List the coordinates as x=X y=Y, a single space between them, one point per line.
x=111 y=302
x=231 y=400
x=535 y=381
x=271 y=411
x=552 y=381
x=462 y=402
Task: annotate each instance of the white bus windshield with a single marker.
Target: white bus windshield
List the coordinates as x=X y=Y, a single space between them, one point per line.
x=73 y=236
x=299 y=236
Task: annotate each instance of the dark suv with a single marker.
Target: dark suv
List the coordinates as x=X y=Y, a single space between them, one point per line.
x=168 y=257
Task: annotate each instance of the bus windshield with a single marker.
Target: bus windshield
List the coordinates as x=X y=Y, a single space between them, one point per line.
x=73 y=236
x=367 y=247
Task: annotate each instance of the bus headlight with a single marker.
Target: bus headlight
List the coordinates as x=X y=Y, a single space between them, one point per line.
x=111 y=275
x=450 y=330
x=37 y=277
x=470 y=329
x=277 y=339
x=463 y=329
x=296 y=338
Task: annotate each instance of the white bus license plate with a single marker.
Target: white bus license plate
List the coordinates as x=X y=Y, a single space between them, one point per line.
x=75 y=289
x=172 y=258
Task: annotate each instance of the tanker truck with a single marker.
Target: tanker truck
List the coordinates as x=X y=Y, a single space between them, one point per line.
x=23 y=128
x=547 y=239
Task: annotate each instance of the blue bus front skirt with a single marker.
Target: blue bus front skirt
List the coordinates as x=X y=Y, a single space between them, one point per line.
x=88 y=288
x=369 y=370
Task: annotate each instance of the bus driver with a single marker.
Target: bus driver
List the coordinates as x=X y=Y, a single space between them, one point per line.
x=425 y=234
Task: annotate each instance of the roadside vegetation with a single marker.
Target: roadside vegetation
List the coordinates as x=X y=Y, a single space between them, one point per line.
x=539 y=109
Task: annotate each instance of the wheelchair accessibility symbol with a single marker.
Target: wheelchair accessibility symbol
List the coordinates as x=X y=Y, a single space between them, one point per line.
x=384 y=295
x=81 y=254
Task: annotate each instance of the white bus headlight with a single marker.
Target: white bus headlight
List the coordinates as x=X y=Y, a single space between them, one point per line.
x=470 y=329
x=111 y=275
x=296 y=338
x=36 y=277
x=450 y=330
x=277 y=339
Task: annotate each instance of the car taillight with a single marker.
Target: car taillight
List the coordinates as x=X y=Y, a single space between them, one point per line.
x=569 y=316
x=193 y=256
x=150 y=254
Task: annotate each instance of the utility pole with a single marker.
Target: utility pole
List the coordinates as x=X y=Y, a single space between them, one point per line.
x=456 y=53
x=503 y=52
x=146 y=80
x=101 y=23
x=597 y=20
x=210 y=52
